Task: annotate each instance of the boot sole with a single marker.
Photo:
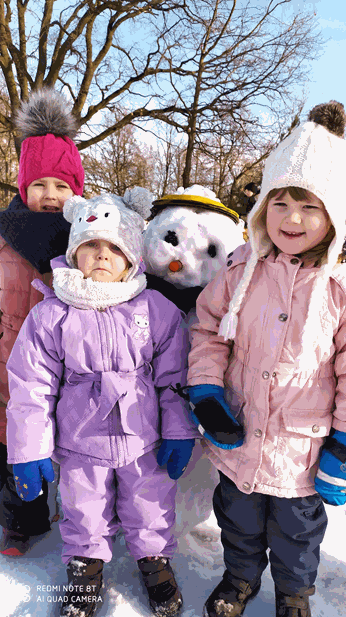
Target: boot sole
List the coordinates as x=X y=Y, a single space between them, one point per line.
x=250 y=598
x=162 y=611
x=14 y=546
x=93 y=610
x=97 y=606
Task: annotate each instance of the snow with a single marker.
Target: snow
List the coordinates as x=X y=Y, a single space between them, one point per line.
x=25 y=582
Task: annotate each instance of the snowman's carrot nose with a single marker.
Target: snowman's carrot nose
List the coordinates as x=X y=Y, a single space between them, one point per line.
x=91 y=218
x=175 y=266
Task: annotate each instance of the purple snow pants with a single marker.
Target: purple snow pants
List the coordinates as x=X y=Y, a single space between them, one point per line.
x=96 y=501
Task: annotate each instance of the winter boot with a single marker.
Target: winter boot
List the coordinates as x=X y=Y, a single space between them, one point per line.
x=164 y=595
x=293 y=606
x=13 y=544
x=229 y=599
x=84 y=586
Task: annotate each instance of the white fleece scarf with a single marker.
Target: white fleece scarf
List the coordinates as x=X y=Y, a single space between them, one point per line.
x=71 y=287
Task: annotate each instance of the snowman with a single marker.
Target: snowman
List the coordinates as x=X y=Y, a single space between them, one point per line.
x=189 y=236
x=187 y=240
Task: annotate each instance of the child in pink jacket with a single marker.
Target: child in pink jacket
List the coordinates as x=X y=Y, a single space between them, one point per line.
x=267 y=373
x=32 y=232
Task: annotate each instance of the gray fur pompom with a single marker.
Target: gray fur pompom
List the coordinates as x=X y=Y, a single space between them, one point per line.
x=330 y=115
x=46 y=111
x=139 y=200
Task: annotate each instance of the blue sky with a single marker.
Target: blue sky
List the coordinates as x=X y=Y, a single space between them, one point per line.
x=328 y=78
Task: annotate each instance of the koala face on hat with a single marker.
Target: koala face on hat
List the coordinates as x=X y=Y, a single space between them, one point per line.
x=106 y=217
x=90 y=219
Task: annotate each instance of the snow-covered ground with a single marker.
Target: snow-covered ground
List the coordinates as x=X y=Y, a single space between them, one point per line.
x=26 y=582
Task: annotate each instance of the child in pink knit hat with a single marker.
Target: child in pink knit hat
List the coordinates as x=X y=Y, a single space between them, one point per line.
x=32 y=232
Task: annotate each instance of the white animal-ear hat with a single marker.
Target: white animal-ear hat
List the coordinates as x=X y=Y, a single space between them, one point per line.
x=120 y=220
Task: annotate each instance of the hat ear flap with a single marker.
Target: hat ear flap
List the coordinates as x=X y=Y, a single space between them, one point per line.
x=71 y=207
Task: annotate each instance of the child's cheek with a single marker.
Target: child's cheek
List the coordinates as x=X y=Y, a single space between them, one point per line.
x=66 y=197
x=33 y=205
x=314 y=223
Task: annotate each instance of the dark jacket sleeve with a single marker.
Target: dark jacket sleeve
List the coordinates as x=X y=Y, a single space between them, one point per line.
x=171 y=347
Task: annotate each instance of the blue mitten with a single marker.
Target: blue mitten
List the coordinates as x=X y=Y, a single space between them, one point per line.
x=176 y=453
x=28 y=477
x=213 y=416
x=330 y=480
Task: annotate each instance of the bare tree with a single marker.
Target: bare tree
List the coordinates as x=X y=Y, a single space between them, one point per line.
x=8 y=158
x=223 y=163
x=237 y=58
x=182 y=62
x=92 y=48
x=165 y=156
x=169 y=152
x=119 y=162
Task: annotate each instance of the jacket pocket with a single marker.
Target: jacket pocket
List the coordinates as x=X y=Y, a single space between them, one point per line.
x=304 y=422
x=234 y=379
x=131 y=406
x=304 y=432
x=234 y=400
x=138 y=408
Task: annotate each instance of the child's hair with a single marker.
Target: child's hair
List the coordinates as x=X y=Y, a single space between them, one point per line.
x=319 y=251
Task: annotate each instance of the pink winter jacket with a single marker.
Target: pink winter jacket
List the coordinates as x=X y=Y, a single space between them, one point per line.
x=17 y=298
x=286 y=418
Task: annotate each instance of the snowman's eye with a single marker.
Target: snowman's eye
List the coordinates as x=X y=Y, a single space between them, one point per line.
x=107 y=214
x=171 y=237
x=212 y=250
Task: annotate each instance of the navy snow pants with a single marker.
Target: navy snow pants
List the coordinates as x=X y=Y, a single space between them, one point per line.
x=292 y=529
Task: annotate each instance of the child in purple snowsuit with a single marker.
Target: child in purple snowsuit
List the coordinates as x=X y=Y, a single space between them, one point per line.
x=89 y=380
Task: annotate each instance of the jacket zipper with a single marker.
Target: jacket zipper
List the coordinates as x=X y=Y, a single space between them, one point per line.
x=107 y=345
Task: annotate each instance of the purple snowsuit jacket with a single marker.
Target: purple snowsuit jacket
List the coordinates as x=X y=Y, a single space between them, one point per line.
x=95 y=384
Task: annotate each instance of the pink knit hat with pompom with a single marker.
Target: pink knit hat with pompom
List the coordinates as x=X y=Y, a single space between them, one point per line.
x=47 y=149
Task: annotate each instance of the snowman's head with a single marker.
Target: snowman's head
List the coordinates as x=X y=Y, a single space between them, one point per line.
x=186 y=246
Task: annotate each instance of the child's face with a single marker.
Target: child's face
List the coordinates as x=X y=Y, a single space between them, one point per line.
x=47 y=195
x=296 y=226
x=102 y=261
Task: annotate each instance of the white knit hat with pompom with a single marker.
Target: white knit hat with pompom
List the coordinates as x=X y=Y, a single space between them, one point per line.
x=312 y=157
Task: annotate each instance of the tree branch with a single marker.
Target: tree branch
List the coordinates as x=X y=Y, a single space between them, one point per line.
x=8 y=187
